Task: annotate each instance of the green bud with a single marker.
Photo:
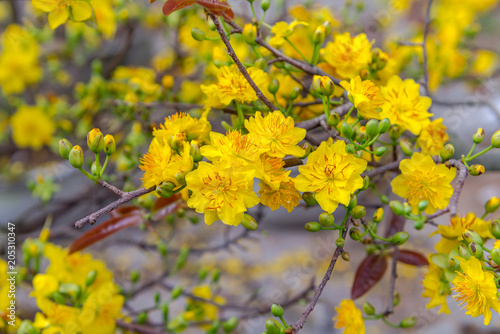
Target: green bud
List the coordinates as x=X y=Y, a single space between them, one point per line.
x=176 y=292
x=216 y=275
x=361 y=136
x=366 y=183
x=230 y=324
x=95 y=140
x=353 y=201
x=495 y=255
x=355 y=234
x=397 y=207
x=395 y=132
x=180 y=213
x=384 y=125
x=400 y=238
x=340 y=242
x=476 y=170
x=370 y=249
x=175 y=142
x=202 y=273
x=165 y=189
x=157 y=298
x=333 y=119
x=180 y=177
x=463 y=251
x=447 y=152
x=453 y=263
x=495 y=139
x=64 y=148
x=406 y=147
x=368 y=308
x=326 y=219
x=249 y=222
x=492 y=205
x=422 y=205
x=58 y=298
x=76 y=157
x=346 y=130
x=265 y=4
x=261 y=63
x=472 y=236
x=274 y=86
x=109 y=145
x=142 y=318
x=478 y=137
x=295 y=93
x=164 y=311
x=419 y=224
x=312 y=227
x=408 y=322
x=71 y=289
x=309 y=199
x=198 y=34
x=346 y=256
x=273 y=326
x=277 y=310
x=135 y=276
x=379 y=151
x=495 y=228
x=406 y=208
x=195 y=153
x=182 y=257
x=162 y=249
x=358 y=212
x=372 y=128
x=476 y=250
x=396 y=299
x=319 y=35
x=384 y=199
x=95 y=169
x=249 y=33
x=350 y=148
x=91 y=276
x=27 y=327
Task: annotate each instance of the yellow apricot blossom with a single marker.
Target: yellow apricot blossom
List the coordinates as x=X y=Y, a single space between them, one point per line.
x=437 y=288
x=56 y=318
x=286 y=195
x=404 y=106
x=331 y=174
x=60 y=10
x=240 y=149
x=184 y=125
x=421 y=179
x=221 y=191
x=365 y=96
x=282 y=30
x=476 y=289
x=275 y=133
x=31 y=127
x=432 y=137
x=270 y=170
x=349 y=317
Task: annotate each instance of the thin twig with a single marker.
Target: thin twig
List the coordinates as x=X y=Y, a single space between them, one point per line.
x=392 y=283
x=382 y=169
x=462 y=173
x=315 y=122
x=238 y=63
x=111 y=187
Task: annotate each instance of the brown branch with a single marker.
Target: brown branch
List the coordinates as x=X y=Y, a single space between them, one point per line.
x=137 y=328
x=126 y=197
x=462 y=173
x=111 y=187
x=319 y=290
x=381 y=170
x=315 y=122
x=238 y=63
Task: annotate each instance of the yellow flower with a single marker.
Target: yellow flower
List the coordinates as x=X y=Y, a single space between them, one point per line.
x=332 y=174
x=161 y=164
x=232 y=85
x=436 y=288
x=276 y=133
x=31 y=127
x=281 y=30
x=199 y=310
x=60 y=10
x=183 y=124
x=476 y=289
x=432 y=137
x=44 y=285
x=348 y=55
x=105 y=17
x=404 y=105
x=239 y=149
x=349 y=317
x=286 y=195
x=485 y=63
x=59 y=318
x=365 y=96
x=452 y=234
x=221 y=192
x=421 y=179
x=130 y=80
x=270 y=170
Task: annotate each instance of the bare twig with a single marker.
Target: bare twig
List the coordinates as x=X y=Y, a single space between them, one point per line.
x=111 y=187
x=462 y=173
x=315 y=122
x=238 y=63
x=392 y=283
x=382 y=169
x=137 y=328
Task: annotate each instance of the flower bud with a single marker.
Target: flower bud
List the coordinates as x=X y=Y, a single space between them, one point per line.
x=384 y=125
x=422 y=205
x=396 y=298
x=176 y=292
x=44 y=235
x=384 y=199
x=58 y=298
x=364 y=74
x=165 y=189
x=350 y=148
x=167 y=81
x=495 y=228
x=319 y=35
x=371 y=249
x=175 y=142
x=333 y=119
x=419 y=224
x=312 y=227
x=346 y=256
x=277 y=310
x=309 y=199
x=249 y=222
x=307 y=149
x=340 y=242
x=366 y=182
x=378 y=215
x=372 y=128
x=400 y=238
x=202 y=273
x=328 y=27
x=463 y=251
x=326 y=219
x=180 y=177
x=249 y=33
x=274 y=86
x=142 y=318
x=361 y=135
x=495 y=139
x=358 y=212
x=447 y=152
x=495 y=255
x=195 y=153
x=95 y=169
x=368 y=308
x=407 y=208
x=353 y=202
x=135 y=276
x=406 y=147
x=346 y=130
x=472 y=236
x=355 y=234
x=230 y=324
x=261 y=63
x=492 y=205
x=476 y=170
x=395 y=132
x=273 y=326
x=91 y=276
x=379 y=151
x=323 y=85
x=397 y=207
x=216 y=275
x=476 y=250
x=478 y=137
x=76 y=157
x=95 y=140
x=198 y=34
x=408 y=322
x=64 y=148
x=295 y=93
x=109 y=145
x=265 y=4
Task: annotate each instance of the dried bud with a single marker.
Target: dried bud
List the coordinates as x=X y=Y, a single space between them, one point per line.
x=476 y=170
x=346 y=256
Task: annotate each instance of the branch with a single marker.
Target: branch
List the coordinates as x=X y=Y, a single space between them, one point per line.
x=380 y=170
x=315 y=122
x=242 y=68
x=338 y=251
x=462 y=173
x=392 y=284
x=125 y=197
x=112 y=188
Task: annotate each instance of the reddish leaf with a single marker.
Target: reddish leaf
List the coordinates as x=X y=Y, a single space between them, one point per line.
x=165 y=211
x=172 y=5
x=123 y=210
x=104 y=230
x=412 y=258
x=216 y=7
x=163 y=202
x=369 y=272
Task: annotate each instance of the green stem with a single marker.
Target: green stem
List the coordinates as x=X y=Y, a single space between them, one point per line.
x=315 y=58
x=277 y=104
x=297 y=50
x=262 y=18
x=283 y=321
x=97 y=164
x=480 y=153
x=349 y=113
x=86 y=174
x=486 y=248
x=256 y=50
x=241 y=117
x=289 y=108
x=471 y=150
x=253 y=11
x=485 y=214
x=374 y=235
x=390 y=323
x=105 y=164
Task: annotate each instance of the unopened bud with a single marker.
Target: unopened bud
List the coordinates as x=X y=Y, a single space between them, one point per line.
x=109 y=145
x=384 y=125
x=273 y=326
x=340 y=242
x=261 y=63
x=353 y=201
x=350 y=148
x=265 y=4
x=95 y=169
x=422 y=205
x=378 y=215
x=76 y=157
x=323 y=85
x=180 y=177
x=249 y=222
x=195 y=153
x=142 y=318
x=379 y=151
x=478 y=137
x=355 y=234
x=408 y=322
x=364 y=74
x=476 y=250
x=476 y=170
x=91 y=276
x=406 y=147
x=346 y=130
x=326 y=219
x=309 y=199
x=368 y=308
x=249 y=33
x=333 y=119
x=358 y=212
x=319 y=35
x=396 y=298
x=95 y=140
x=419 y=224
x=463 y=251
x=395 y=132
x=274 y=86
x=472 y=236
x=277 y=310
x=495 y=228
x=346 y=256
x=165 y=189
x=135 y=276
x=176 y=292
x=295 y=93
x=64 y=148
x=492 y=205
x=400 y=238
x=495 y=139
x=495 y=255
x=447 y=152
x=198 y=34
x=312 y=227
x=230 y=324
x=397 y=207
x=372 y=128
x=366 y=182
